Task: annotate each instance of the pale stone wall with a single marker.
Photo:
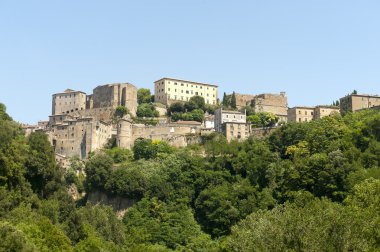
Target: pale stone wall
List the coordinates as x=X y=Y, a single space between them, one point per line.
x=78 y=137
x=273 y=103
x=301 y=114
x=222 y=116
x=355 y=102
x=236 y=131
x=243 y=100
x=98 y=114
x=322 y=111
x=162 y=111
x=113 y=95
x=174 y=134
x=167 y=91
x=68 y=102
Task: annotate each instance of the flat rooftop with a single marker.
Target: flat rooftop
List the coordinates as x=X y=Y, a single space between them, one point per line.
x=179 y=80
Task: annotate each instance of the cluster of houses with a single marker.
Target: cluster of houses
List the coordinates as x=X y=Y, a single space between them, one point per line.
x=81 y=123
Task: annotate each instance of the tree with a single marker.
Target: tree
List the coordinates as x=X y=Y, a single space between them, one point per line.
x=233 y=100
x=3 y=114
x=152 y=221
x=176 y=107
x=148 y=149
x=224 y=101
x=355 y=92
x=146 y=110
x=98 y=169
x=144 y=96
x=42 y=171
x=120 y=111
x=292 y=227
x=195 y=102
x=263 y=119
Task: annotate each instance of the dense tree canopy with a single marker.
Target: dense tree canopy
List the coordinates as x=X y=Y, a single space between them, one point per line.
x=311 y=186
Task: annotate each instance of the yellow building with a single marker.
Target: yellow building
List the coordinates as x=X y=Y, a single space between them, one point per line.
x=168 y=90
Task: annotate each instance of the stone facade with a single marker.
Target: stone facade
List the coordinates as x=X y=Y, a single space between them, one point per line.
x=307 y=114
x=173 y=133
x=322 y=111
x=355 y=102
x=301 y=114
x=114 y=95
x=243 y=100
x=79 y=136
x=273 y=103
x=222 y=116
x=236 y=130
x=168 y=90
x=68 y=102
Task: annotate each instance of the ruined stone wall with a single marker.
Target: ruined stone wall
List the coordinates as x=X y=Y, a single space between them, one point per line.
x=113 y=95
x=273 y=103
x=243 y=100
x=99 y=114
x=79 y=137
x=175 y=135
x=262 y=132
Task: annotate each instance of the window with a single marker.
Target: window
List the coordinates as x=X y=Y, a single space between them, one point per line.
x=299 y=119
x=181 y=84
x=299 y=112
x=305 y=112
x=175 y=90
x=187 y=91
x=168 y=89
x=175 y=83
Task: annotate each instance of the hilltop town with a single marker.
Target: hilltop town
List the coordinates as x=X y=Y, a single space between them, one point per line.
x=179 y=112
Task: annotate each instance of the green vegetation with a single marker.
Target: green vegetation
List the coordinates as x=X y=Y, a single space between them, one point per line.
x=144 y=96
x=193 y=110
x=121 y=111
x=263 y=119
x=311 y=186
x=147 y=110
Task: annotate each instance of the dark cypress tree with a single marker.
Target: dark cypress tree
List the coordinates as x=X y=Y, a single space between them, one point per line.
x=233 y=100
x=225 y=101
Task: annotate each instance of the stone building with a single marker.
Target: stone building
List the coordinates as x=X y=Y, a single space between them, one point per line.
x=222 y=116
x=114 y=95
x=322 y=111
x=168 y=90
x=173 y=133
x=236 y=130
x=273 y=103
x=355 y=102
x=301 y=114
x=79 y=136
x=68 y=102
x=243 y=100
x=307 y=114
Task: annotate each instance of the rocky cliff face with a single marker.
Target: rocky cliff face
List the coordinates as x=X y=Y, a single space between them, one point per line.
x=119 y=204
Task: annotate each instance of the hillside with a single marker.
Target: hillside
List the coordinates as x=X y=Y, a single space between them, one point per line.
x=311 y=186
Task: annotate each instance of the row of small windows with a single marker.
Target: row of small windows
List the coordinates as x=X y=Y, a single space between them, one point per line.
x=67 y=96
x=191 y=85
x=300 y=112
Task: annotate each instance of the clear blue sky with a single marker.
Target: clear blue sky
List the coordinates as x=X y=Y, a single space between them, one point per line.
x=316 y=51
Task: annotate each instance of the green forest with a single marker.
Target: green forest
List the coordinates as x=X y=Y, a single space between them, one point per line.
x=311 y=186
